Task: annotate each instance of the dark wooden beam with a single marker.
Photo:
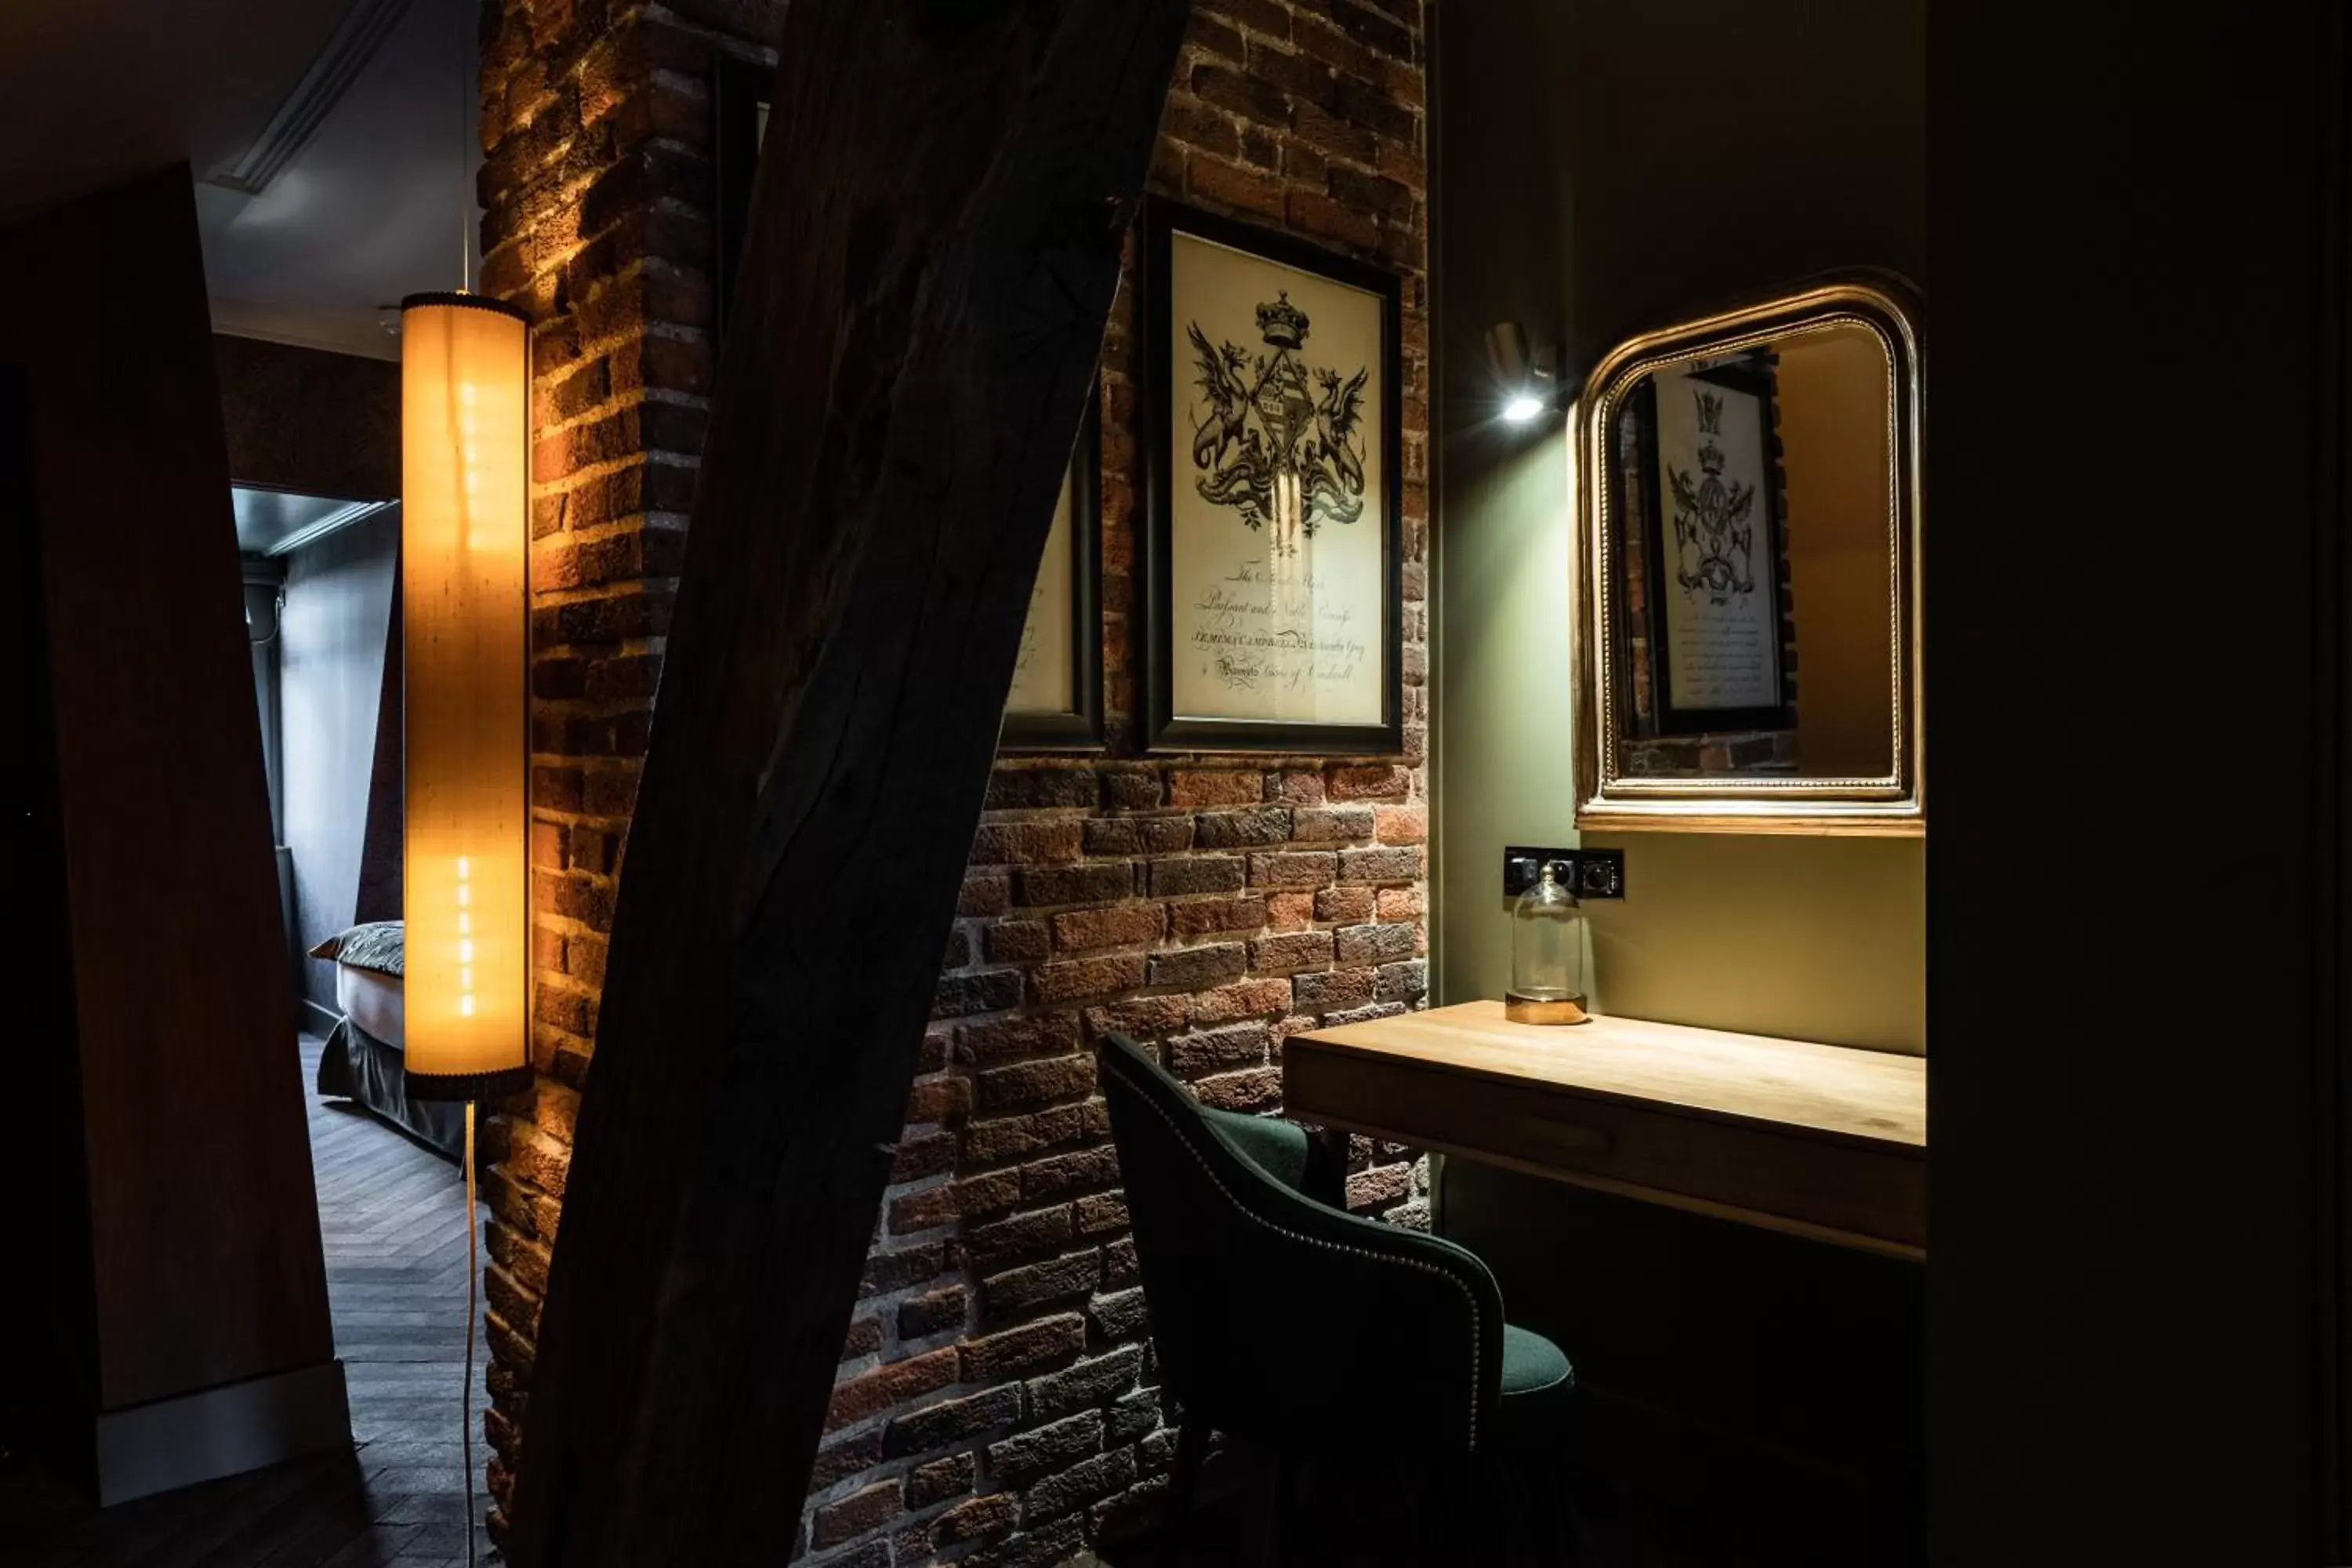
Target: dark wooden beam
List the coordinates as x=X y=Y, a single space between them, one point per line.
x=933 y=248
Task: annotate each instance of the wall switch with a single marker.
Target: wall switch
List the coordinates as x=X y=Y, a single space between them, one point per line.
x=1587 y=873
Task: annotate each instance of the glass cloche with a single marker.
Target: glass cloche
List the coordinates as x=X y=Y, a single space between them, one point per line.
x=1547 y=953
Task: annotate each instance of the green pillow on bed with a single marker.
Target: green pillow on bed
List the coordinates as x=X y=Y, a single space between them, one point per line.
x=379 y=945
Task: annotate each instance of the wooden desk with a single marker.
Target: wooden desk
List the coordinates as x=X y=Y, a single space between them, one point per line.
x=1824 y=1141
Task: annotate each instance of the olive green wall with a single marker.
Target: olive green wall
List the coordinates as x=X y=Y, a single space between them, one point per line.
x=1834 y=430
x=1601 y=170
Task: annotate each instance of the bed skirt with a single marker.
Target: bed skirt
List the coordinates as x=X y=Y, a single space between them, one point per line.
x=359 y=1068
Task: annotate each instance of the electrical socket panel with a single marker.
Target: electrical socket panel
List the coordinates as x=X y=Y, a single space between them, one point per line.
x=1589 y=874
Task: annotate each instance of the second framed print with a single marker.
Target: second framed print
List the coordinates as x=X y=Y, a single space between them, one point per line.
x=1269 y=379
x=1056 y=703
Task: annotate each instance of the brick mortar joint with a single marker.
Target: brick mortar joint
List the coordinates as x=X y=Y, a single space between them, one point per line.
x=626 y=525
x=620 y=402
x=551 y=816
x=548 y=203
x=556 y=261
x=637 y=587
x=580 y=477
x=557 y=980
x=564 y=926
x=598 y=655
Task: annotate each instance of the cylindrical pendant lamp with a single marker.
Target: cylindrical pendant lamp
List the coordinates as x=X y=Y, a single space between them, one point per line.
x=464 y=562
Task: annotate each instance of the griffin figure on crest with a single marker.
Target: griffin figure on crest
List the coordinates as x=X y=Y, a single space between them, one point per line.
x=1715 y=541
x=1279 y=441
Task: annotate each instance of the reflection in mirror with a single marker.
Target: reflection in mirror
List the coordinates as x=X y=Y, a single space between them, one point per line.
x=1754 y=631
x=1745 y=635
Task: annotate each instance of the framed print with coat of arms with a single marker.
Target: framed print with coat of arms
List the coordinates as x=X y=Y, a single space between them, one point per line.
x=1056 y=703
x=1269 y=372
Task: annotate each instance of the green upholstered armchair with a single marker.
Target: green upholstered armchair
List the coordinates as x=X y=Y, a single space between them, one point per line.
x=1285 y=1322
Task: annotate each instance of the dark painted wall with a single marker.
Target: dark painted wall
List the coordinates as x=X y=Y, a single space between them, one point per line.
x=263 y=586
x=304 y=420
x=339 y=597
x=382 y=866
x=2135 y=435
x=1725 y=146
x=1609 y=168
x=2136 y=439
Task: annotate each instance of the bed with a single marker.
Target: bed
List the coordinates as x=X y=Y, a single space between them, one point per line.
x=362 y=1059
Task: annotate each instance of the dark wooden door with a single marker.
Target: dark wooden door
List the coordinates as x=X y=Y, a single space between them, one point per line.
x=172 y=1194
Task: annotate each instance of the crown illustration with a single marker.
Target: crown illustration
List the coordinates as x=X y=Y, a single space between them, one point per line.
x=1710 y=406
x=1282 y=323
x=1710 y=458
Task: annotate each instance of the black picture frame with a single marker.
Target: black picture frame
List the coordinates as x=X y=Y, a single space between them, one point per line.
x=741 y=92
x=1080 y=729
x=1758 y=382
x=1161 y=220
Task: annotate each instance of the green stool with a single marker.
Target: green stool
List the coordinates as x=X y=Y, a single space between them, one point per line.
x=1287 y=1323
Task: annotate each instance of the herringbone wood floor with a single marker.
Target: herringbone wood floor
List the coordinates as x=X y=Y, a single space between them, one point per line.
x=393 y=1218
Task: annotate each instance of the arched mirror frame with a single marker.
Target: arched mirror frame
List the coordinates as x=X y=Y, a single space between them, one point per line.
x=1608 y=801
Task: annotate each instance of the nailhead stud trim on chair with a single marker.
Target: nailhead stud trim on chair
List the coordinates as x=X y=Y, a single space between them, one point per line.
x=1209 y=1171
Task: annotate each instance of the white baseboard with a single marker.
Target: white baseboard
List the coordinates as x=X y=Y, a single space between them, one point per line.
x=222 y=1431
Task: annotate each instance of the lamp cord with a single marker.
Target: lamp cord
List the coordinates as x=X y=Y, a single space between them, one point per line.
x=473 y=1277
x=464 y=169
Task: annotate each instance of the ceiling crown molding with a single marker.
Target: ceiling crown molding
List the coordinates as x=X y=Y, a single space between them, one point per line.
x=348 y=50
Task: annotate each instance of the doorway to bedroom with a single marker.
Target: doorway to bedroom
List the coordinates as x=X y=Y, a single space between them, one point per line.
x=322 y=615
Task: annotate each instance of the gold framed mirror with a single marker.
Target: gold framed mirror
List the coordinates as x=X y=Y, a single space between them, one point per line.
x=1746 y=593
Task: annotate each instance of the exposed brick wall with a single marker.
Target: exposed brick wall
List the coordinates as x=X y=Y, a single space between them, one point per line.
x=996 y=1400
x=596 y=121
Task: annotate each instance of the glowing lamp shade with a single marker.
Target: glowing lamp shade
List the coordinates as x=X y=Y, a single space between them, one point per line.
x=464 y=558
